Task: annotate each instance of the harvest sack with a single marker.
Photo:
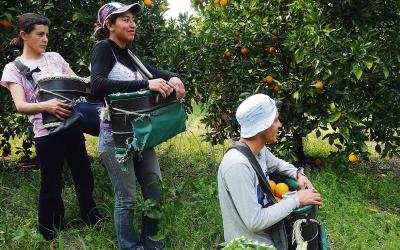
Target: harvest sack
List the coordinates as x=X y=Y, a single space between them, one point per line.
x=76 y=91
x=85 y=117
x=141 y=120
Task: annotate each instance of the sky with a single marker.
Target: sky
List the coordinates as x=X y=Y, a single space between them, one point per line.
x=178 y=6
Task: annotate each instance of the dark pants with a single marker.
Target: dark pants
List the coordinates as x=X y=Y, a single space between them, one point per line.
x=52 y=150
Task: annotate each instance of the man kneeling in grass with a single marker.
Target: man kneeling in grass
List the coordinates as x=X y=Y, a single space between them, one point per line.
x=246 y=210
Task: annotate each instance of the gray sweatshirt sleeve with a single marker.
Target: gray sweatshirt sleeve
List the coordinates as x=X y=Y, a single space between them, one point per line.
x=240 y=182
x=280 y=166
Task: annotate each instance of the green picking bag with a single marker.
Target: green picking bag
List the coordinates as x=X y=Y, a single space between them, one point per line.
x=158 y=126
x=141 y=120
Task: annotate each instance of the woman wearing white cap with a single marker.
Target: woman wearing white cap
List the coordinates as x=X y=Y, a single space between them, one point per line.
x=113 y=70
x=246 y=210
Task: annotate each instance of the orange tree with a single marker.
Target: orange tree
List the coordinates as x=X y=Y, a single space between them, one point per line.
x=72 y=26
x=333 y=65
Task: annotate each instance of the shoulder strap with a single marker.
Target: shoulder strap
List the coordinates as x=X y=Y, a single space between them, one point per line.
x=245 y=150
x=143 y=70
x=26 y=71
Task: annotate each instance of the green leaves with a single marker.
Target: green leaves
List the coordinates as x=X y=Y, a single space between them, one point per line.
x=357 y=71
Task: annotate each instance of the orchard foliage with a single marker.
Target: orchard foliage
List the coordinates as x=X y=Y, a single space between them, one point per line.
x=333 y=65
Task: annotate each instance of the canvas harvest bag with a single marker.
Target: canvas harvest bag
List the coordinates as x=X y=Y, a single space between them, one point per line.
x=142 y=120
x=84 y=118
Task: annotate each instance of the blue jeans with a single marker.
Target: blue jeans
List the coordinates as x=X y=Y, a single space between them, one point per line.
x=147 y=172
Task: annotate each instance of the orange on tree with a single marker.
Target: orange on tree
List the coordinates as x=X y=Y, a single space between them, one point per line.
x=271 y=50
x=224 y=116
x=272 y=184
x=148 y=3
x=6 y=23
x=223 y=2
x=269 y=79
x=236 y=33
x=319 y=85
x=244 y=51
x=353 y=158
x=227 y=54
x=281 y=189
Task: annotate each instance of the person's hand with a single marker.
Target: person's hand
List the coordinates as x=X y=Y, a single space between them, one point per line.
x=308 y=197
x=177 y=84
x=304 y=182
x=161 y=86
x=59 y=108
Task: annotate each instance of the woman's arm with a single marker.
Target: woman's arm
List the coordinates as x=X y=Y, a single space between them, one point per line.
x=71 y=72
x=102 y=60
x=173 y=79
x=56 y=107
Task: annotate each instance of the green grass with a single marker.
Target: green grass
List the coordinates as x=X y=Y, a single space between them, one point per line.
x=361 y=210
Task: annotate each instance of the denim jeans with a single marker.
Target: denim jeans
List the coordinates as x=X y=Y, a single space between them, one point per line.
x=52 y=151
x=147 y=172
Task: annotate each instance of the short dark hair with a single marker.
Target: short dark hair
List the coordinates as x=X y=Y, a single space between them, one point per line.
x=26 y=23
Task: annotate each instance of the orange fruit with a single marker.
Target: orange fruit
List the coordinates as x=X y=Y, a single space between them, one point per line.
x=148 y=3
x=269 y=79
x=277 y=88
x=271 y=50
x=353 y=158
x=6 y=23
x=272 y=184
x=236 y=33
x=281 y=189
x=319 y=85
x=244 y=51
x=224 y=116
x=317 y=162
x=227 y=54
x=223 y=2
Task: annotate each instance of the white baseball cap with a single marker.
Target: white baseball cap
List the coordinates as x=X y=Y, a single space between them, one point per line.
x=255 y=114
x=112 y=8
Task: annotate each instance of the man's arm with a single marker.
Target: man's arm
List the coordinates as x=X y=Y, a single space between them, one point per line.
x=277 y=165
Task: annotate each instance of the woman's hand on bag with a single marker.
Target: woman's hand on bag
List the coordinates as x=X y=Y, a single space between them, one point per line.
x=177 y=84
x=309 y=197
x=161 y=86
x=58 y=108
